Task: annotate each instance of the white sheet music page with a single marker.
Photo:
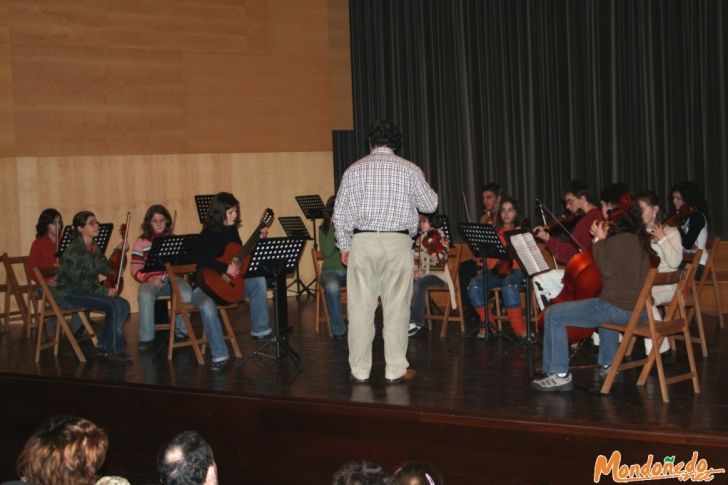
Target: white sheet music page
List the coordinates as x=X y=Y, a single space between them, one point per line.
x=528 y=253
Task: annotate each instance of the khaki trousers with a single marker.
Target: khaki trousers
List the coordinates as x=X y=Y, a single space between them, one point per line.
x=380 y=266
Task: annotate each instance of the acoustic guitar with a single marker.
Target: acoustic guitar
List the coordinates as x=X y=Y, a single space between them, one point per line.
x=221 y=286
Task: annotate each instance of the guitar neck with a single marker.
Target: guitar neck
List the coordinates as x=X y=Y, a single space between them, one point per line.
x=250 y=243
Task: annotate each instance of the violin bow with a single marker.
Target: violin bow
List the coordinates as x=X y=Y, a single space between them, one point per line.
x=123 y=252
x=556 y=219
x=465 y=206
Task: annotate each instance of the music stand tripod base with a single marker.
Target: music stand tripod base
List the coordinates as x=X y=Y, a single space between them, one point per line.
x=294 y=228
x=275 y=258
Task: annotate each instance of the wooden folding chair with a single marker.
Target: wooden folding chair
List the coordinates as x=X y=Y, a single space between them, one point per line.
x=322 y=307
x=16 y=291
x=440 y=296
x=674 y=323
x=692 y=304
x=710 y=276
x=49 y=308
x=180 y=307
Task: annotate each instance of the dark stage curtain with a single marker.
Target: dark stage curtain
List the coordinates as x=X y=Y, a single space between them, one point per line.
x=534 y=93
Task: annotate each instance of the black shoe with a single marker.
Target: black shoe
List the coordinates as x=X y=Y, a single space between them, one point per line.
x=80 y=333
x=339 y=338
x=262 y=337
x=414 y=329
x=146 y=345
x=219 y=366
x=123 y=357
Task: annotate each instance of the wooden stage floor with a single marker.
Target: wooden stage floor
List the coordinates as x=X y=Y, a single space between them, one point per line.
x=269 y=423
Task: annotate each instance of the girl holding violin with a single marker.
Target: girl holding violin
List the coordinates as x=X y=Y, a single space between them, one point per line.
x=692 y=214
x=510 y=281
x=333 y=272
x=667 y=245
x=430 y=255
x=157 y=223
x=621 y=251
x=79 y=286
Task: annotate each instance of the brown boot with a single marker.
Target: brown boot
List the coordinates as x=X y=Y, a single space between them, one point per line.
x=515 y=316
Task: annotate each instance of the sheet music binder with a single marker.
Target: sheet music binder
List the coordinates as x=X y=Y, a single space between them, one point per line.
x=527 y=253
x=102 y=240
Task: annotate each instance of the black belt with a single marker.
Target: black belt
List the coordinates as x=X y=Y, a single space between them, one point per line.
x=404 y=231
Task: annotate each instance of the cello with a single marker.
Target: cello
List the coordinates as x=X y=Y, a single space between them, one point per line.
x=582 y=278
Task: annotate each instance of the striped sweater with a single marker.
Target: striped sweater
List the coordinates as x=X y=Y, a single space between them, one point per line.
x=139 y=258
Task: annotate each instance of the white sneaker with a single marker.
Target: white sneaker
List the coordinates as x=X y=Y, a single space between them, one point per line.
x=553 y=383
x=414 y=328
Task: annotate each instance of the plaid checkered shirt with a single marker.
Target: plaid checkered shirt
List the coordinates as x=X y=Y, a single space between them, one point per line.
x=381 y=192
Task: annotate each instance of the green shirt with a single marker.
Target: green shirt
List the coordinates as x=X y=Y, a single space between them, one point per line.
x=327 y=245
x=81 y=269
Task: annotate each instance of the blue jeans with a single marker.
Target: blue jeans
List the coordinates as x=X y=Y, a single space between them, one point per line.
x=256 y=291
x=211 y=324
x=509 y=285
x=584 y=314
x=116 y=310
x=419 y=290
x=333 y=280
x=148 y=294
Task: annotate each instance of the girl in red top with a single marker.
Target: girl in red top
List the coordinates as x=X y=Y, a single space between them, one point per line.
x=511 y=283
x=44 y=248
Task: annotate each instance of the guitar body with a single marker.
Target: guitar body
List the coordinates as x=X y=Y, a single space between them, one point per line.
x=221 y=286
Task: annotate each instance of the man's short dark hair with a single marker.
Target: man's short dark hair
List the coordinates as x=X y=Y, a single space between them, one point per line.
x=184 y=460
x=492 y=187
x=385 y=133
x=361 y=472
x=579 y=189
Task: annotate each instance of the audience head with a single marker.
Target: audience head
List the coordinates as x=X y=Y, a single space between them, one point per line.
x=157 y=220
x=361 y=472
x=66 y=449
x=385 y=133
x=416 y=473
x=187 y=460
x=48 y=218
x=220 y=213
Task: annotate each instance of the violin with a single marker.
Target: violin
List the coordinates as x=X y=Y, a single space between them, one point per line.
x=677 y=218
x=504 y=267
x=115 y=280
x=432 y=242
x=564 y=220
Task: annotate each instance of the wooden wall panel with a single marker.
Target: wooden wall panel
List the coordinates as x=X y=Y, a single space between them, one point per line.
x=111 y=186
x=93 y=77
x=7 y=123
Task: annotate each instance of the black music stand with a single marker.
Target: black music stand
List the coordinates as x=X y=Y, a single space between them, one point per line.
x=203 y=203
x=174 y=250
x=485 y=243
x=275 y=258
x=313 y=208
x=102 y=240
x=443 y=222
x=295 y=229
x=532 y=263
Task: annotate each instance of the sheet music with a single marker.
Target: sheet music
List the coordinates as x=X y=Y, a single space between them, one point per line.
x=528 y=253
